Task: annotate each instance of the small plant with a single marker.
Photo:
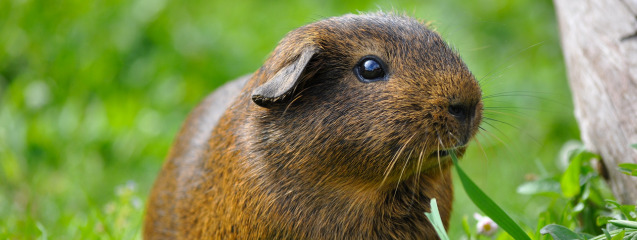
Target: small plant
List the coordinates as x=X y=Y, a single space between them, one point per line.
x=485 y=226
x=120 y=218
x=582 y=206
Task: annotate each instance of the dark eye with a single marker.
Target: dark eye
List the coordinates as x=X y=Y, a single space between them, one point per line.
x=370 y=69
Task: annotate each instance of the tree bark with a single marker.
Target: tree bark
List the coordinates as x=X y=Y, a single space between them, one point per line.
x=599 y=41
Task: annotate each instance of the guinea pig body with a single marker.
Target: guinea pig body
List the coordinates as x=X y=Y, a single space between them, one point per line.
x=343 y=133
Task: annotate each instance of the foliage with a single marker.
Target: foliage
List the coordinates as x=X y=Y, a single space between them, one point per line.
x=590 y=209
x=582 y=205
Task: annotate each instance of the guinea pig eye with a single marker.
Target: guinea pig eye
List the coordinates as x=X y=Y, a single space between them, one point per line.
x=370 y=69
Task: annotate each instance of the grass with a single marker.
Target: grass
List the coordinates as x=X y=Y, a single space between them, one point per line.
x=93 y=92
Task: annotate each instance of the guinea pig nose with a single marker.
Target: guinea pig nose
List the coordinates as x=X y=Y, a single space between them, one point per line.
x=461 y=111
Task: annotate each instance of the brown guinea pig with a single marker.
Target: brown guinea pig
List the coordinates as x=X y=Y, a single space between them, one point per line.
x=343 y=133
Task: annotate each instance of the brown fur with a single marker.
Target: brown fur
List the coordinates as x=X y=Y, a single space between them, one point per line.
x=333 y=157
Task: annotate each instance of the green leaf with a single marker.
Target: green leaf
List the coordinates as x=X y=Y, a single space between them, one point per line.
x=465 y=226
x=608 y=237
x=586 y=236
x=608 y=234
x=570 y=178
x=613 y=203
x=578 y=207
x=628 y=168
x=570 y=181
x=436 y=221
x=627 y=210
x=484 y=203
x=559 y=232
x=634 y=145
x=619 y=236
x=624 y=209
x=546 y=187
x=501 y=236
x=602 y=220
x=624 y=223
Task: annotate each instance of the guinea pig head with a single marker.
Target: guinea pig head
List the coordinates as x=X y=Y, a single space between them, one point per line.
x=364 y=97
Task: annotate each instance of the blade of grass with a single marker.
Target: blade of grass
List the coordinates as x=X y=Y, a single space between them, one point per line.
x=436 y=221
x=488 y=206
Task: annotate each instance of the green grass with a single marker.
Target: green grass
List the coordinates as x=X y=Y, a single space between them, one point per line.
x=93 y=92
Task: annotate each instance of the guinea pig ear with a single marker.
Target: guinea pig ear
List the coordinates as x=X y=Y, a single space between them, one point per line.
x=281 y=86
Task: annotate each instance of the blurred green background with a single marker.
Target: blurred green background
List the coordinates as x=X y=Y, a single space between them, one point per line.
x=93 y=92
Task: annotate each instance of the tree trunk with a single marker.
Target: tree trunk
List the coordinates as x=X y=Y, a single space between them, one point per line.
x=599 y=41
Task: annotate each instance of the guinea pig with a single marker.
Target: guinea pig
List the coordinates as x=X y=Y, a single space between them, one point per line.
x=343 y=133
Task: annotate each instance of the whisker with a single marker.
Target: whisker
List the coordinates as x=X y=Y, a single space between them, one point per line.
x=484 y=153
x=420 y=159
x=495 y=128
x=516 y=115
x=454 y=137
x=438 y=153
x=401 y=173
x=487 y=119
x=488 y=78
x=493 y=112
x=501 y=121
x=390 y=166
x=511 y=109
x=528 y=94
x=395 y=159
x=494 y=136
x=507 y=60
x=418 y=167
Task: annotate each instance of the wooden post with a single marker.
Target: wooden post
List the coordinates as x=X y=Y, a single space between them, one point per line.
x=599 y=41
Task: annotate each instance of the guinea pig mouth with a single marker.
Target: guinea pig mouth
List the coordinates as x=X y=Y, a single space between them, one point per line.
x=444 y=152
x=440 y=153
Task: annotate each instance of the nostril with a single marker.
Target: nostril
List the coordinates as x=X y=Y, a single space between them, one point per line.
x=459 y=111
